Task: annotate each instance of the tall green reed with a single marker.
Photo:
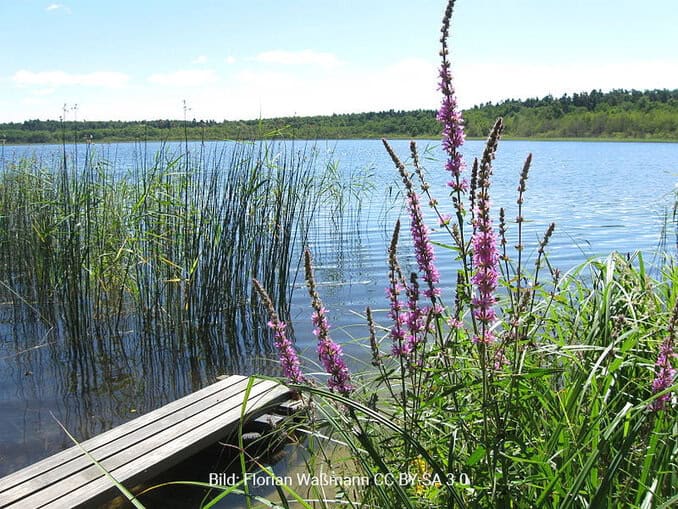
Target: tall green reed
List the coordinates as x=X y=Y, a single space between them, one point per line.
x=166 y=248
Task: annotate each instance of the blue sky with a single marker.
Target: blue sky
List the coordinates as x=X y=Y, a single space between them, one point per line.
x=243 y=59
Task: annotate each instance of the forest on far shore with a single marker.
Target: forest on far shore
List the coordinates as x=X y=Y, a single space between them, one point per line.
x=619 y=114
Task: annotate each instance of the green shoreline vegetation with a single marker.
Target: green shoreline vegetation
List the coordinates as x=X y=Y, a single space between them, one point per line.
x=619 y=115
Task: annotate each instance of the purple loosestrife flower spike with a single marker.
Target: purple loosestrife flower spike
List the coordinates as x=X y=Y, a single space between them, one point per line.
x=329 y=352
x=448 y=114
x=415 y=317
x=423 y=248
x=396 y=285
x=289 y=359
x=666 y=373
x=484 y=244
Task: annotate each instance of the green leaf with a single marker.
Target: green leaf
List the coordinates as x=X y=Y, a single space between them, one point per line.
x=130 y=496
x=476 y=456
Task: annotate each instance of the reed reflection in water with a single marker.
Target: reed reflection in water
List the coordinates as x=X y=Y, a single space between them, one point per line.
x=124 y=289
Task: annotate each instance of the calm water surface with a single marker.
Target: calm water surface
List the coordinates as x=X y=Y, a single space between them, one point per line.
x=602 y=197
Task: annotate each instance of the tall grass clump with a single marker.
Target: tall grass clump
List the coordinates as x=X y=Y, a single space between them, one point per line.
x=165 y=249
x=523 y=387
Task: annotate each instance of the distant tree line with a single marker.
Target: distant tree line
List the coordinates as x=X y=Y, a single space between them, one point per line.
x=651 y=114
x=622 y=114
x=390 y=123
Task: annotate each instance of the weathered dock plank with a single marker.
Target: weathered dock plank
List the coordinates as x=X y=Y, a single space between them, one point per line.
x=139 y=449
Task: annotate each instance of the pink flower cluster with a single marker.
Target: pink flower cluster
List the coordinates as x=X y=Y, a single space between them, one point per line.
x=289 y=360
x=329 y=352
x=399 y=318
x=486 y=275
x=409 y=325
x=666 y=374
x=423 y=248
x=453 y=126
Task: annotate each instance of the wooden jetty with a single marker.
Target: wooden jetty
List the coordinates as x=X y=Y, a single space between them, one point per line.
x=142 y=448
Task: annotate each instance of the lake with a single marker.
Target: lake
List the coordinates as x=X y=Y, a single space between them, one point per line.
x=602 y=197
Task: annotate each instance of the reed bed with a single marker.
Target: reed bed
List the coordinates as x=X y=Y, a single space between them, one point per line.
x=166 y=248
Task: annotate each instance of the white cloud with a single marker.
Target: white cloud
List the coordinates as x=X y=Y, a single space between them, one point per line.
x=303 y=57
x=230 y=60
x=56 y=7
x=202 y=59
x=265 y=92
x=408 y=84
x=52 y=79
x=43 y=91
x=184 y=78
x=270 y=91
